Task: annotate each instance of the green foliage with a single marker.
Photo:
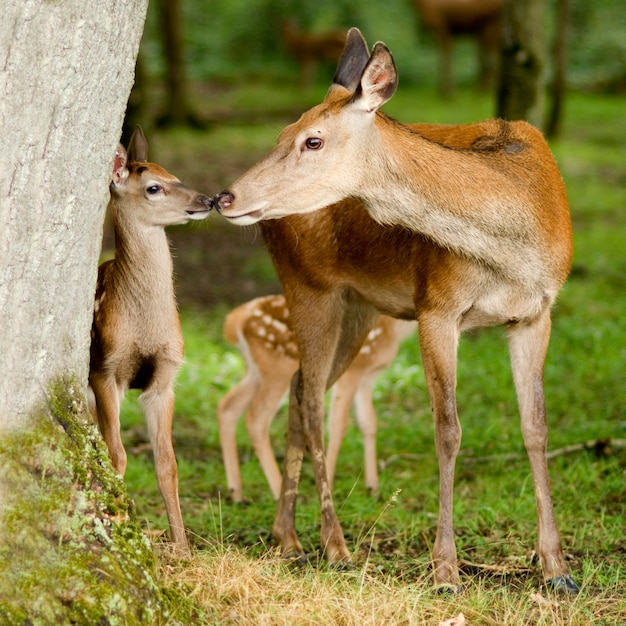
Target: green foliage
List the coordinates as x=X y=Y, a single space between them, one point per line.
x=232 y=40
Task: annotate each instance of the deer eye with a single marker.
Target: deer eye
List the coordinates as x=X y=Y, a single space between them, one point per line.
x=154 y=189
x=313 y=143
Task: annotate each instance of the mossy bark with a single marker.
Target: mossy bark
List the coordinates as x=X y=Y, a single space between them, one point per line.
x=71 y=550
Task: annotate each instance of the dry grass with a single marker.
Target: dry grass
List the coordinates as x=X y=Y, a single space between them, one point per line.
x=228 y=586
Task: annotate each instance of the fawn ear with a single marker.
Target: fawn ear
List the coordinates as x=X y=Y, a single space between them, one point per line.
x=138 y=146
x=378 y=81
x=353 y=60
x=120 y=172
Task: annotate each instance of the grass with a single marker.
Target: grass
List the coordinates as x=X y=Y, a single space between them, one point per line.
x=234 y=575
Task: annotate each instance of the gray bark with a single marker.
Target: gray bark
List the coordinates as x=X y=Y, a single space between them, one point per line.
x=66 y=70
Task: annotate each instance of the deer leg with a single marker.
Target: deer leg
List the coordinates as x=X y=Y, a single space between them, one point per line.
x=342 y=395
x=106 y=410
x=438 y=343
x=158 y=405
x=528 y=344
x=229 y=409
x=258 y=419
x=284 y=528
x=366 y=419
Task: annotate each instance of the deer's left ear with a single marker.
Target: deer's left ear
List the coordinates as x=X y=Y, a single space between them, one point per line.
x=378 y=81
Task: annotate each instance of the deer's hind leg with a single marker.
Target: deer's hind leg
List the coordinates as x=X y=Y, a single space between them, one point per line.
x=528 y=345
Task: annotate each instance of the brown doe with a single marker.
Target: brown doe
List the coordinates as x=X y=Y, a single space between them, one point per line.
x=450 y=19
x=456 y=226
x=261 y=329
x=137 y=341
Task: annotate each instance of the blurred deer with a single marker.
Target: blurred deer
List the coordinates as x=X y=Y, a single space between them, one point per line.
x=310 y=48
x=136 y=339
x=457 y=227
x=261 y=329
x=479 y=19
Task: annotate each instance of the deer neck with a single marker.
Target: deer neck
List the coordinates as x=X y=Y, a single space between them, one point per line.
x=460 y=199
x=143 y=264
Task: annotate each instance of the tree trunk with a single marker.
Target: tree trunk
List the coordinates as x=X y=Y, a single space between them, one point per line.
x=559 y=82
x=178 y=111
x=520 y=92
x=70 y=551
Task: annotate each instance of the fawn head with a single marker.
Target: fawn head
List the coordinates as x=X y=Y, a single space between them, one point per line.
x=322 y=158
x=148 y=193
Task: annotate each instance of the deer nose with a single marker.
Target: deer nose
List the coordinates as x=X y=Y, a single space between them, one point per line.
x=223 y=200
x=206 y=202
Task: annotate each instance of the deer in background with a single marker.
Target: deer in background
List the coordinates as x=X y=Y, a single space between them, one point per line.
x=136 y=339
x=457 y=227
x=261 y=329
x=448 y=19
x=309 y=48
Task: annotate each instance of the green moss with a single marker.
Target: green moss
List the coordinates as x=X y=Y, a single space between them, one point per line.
x=71 y=550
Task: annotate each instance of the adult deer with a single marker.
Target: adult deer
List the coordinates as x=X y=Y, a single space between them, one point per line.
x=310 y=48
x=261 y=329
x=477 y=233
x=448 y=19
x=136 y=340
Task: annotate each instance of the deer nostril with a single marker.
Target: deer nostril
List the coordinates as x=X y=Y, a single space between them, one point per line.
x=223 y=200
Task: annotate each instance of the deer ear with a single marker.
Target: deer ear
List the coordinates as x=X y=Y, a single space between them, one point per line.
x=120 y=172
x=353 y=60
x=378 y=81
x=138 y=146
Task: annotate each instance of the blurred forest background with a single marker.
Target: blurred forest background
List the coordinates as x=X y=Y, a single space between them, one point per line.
x=227 y=42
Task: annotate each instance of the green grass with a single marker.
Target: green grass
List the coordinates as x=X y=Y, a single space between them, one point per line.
x=391 y=535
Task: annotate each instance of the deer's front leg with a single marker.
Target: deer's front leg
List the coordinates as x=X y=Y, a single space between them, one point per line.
x=528 y=344
x=284 y=528
x=331 y=534
x=438 y=342
x=107 y=398
x=158 y=406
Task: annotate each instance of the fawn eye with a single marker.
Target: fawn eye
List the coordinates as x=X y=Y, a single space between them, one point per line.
x=313 y=143
x=153 y=189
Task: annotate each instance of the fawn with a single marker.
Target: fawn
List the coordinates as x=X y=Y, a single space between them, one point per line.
x=261 y=329
x=137 y=341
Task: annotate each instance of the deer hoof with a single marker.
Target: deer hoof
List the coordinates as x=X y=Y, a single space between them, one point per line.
x=563 y=584
x=447 y=590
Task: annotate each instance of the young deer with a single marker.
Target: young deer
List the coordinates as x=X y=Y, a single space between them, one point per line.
x=136 y=337
x=478 y=233
x=261 y=329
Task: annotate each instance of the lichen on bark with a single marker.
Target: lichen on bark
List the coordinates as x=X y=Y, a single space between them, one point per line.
x=71 y=549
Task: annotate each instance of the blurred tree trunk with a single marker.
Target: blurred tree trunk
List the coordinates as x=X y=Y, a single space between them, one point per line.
x=559 y=82
x=69 y=548
x=521 y=86
x=178 y=110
